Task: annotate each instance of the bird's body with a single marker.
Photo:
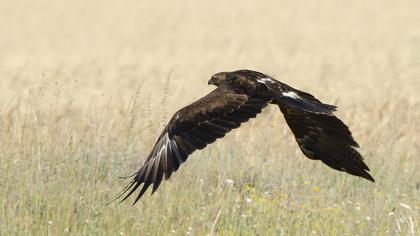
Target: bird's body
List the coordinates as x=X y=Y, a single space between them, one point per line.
x=239 y=96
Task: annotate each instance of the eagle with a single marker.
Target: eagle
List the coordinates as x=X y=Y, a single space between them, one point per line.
x=239 y=96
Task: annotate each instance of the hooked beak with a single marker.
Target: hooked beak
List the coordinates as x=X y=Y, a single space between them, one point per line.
x=217 y=79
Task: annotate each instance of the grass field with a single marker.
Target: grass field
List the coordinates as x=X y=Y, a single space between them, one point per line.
x=86 y=87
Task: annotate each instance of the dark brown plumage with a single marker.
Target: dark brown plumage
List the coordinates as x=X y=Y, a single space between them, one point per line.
x=240 y=96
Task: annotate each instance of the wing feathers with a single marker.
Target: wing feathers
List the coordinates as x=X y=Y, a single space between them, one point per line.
x=195 y=142
x=180 y=158
x=216 y=126
x=184 y=145
x=187 y=132
x=208 y=137
x=226 y=123
x=236 y=118
x=326 y=138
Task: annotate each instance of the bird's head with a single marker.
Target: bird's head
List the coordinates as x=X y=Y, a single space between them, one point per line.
x=218 y=78
x=242 y=77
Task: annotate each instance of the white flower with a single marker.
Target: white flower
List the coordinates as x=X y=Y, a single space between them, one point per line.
x=248 y=200
x=268 y=194
x=229 y=181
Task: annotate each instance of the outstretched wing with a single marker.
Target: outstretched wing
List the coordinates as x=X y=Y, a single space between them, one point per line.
x=326 y=138
x=190 y=129
x=319 y=134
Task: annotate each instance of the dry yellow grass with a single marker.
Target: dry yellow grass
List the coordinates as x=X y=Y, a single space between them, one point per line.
x=82 y=100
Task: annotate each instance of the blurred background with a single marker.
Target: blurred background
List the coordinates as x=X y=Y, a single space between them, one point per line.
x=312 y=44
x=86 y=86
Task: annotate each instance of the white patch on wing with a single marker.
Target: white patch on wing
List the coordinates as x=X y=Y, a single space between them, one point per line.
x=265 y=80
x=176 y=152
x=163 y=143
x=291 y=94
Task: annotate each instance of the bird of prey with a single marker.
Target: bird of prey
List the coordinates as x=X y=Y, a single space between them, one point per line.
x=241 y=95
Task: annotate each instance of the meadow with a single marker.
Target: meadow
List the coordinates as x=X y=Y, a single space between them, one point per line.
x=86 y=87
